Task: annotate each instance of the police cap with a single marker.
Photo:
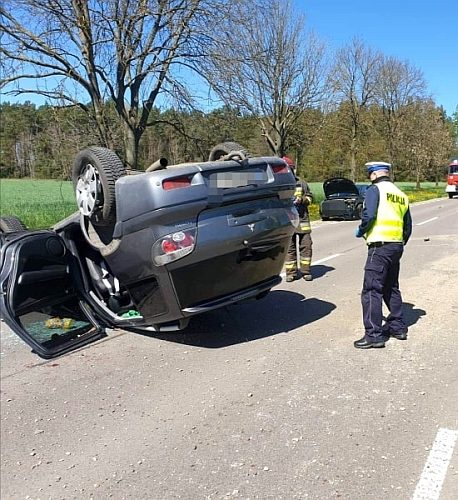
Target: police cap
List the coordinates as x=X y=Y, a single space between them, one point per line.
x=373 y=166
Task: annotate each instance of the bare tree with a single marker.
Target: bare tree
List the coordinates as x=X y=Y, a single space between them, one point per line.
x=24 y=150
x=269 y=68
x=399 y=85
x=454 y=125
x=354 y=79
x=92 y=52
x=426 y=139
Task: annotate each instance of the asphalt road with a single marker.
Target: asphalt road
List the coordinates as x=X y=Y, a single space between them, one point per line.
x=265 y=400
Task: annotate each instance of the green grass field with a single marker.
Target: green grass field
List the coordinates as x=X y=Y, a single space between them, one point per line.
x=38 y=203
x=41 y=203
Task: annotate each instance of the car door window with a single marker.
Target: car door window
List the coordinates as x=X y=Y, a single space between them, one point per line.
x=57 y=324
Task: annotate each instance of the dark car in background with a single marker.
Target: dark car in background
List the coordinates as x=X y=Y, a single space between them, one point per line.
x=147 y=250
x=343 y=199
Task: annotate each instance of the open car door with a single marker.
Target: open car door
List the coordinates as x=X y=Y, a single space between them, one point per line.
x=40 y=283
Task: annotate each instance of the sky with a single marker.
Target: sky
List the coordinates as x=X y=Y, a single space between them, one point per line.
x=422 y=32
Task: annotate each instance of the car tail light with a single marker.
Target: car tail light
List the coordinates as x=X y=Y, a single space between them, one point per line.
x=293 y=216
x=176 y=183
x=174 y=246
x=280 y=168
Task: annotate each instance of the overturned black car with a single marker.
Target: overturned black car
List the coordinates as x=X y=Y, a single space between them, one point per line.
x=343 y=199
x=147 y=250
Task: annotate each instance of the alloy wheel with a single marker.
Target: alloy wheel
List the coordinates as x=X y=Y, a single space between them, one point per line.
x=88 y=190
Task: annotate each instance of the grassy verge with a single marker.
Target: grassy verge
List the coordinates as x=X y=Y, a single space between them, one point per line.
x=424 y=193
x=38 y=203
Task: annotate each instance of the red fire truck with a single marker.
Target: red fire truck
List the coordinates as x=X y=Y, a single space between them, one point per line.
x=452 y=179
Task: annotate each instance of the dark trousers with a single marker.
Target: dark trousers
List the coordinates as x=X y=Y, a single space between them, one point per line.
x=305 y=250
x=381 y=282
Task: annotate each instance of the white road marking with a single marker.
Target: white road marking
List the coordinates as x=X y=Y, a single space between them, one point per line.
x=325 y=259
x=433 y=475
x=317 y=224
x=426 y=221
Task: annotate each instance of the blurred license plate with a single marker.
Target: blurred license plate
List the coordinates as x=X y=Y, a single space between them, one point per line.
x=238 y=179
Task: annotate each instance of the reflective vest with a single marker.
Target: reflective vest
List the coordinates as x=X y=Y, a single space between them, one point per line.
x=303 y=193
x=393 y=205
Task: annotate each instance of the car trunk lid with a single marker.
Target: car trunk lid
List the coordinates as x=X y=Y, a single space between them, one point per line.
x=339 y=187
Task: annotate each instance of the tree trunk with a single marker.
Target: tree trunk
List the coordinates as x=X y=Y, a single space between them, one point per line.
x=353 y=152
x=32 y=161
x=20 y=160
x=131 y=146
x=270 y=137
x=417 y=178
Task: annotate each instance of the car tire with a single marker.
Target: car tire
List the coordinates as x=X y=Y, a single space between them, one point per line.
x=226 y=148
x=11 y=224
x=325 y=218
x=95 y=172
x=450 y=195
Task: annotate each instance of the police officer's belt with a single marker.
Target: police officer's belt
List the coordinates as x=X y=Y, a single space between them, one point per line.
x=376 y=244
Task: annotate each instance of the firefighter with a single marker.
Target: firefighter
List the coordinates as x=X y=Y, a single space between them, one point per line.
x=386 y=225
x=300 y=247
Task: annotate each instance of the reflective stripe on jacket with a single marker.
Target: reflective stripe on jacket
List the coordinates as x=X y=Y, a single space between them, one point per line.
x=393 y=205
x=303 y=192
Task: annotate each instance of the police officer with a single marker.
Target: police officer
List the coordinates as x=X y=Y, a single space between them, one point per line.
x=302 y=238
x=386 y=225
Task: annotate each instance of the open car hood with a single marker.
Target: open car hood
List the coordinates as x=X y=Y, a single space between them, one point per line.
x=339 y=186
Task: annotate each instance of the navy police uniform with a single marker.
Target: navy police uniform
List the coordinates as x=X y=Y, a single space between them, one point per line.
x=386 y=225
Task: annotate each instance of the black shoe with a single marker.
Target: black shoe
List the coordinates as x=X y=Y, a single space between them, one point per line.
x=364 y=344
x=399 y=335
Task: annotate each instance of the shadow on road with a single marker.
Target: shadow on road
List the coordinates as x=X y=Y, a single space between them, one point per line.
x=281 y=311
x=319 y=270
x=411 y=314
